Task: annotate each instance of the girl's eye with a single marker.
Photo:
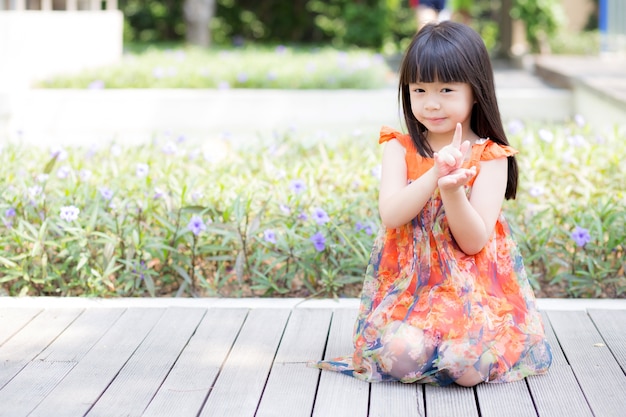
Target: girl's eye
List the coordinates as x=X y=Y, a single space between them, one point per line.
x=446 y=90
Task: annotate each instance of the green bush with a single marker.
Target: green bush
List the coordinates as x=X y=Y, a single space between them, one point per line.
x=246 y=67
x=542 y=19
x=291 y=217
x=366 y=23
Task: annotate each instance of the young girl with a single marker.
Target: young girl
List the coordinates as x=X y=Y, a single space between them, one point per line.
x=446 y=297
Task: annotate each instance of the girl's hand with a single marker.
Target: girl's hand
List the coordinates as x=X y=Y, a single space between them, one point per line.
x=450 y=157
x=456 y=179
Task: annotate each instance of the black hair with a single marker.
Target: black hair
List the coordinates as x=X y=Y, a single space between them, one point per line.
x=453 y=52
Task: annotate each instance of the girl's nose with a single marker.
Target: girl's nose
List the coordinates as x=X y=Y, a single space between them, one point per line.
x=431 y=104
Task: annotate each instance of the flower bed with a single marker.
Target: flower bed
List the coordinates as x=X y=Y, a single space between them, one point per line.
x=295 y=217
x=255 y=67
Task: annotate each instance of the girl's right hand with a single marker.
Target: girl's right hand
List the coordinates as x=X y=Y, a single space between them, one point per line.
x=451 y=157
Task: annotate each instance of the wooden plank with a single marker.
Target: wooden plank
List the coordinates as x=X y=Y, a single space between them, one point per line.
x=82 y=387
x=31 y=386
x=291 y=387
x=612 y=326
x=133 y=388
x=452 y=400
x=557 y=393
x=81 y=335
x=32 y=339
x=341 y=395
x=305 y=336
x=396 y=399
x=558 y=357
x=596 y=370
x=186 y=387
x=13 y=319
x=238 y=388
x=511 y=399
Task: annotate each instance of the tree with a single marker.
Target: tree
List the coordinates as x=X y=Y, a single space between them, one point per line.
x=198 y=15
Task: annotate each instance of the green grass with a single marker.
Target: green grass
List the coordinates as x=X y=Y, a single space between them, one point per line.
x=280 y=67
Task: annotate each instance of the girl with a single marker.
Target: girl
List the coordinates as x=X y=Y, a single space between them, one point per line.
x=446 y=298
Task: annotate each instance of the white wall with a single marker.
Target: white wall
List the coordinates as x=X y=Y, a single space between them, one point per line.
x=37 y=44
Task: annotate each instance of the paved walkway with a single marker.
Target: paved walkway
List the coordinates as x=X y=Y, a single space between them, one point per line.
x=241 y=115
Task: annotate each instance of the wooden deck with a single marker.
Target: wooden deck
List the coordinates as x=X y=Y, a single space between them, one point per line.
x=211 y=357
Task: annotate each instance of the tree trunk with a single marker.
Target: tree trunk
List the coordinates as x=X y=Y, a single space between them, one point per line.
x=198 y=15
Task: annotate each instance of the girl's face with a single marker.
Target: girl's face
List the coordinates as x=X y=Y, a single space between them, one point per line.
x=440 y=106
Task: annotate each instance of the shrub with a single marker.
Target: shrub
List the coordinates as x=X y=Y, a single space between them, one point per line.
x=248 y=67
x=290 y=217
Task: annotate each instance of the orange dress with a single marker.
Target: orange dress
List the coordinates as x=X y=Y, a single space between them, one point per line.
x=451 y=311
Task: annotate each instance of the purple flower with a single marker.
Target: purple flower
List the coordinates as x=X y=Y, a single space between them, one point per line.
x=142 y=170
x=35 y=190
x=96 y=85
x=377 y=171
x=242 y=77
x=196 y=225
x=10 y=212
x=196 y=195
x=170 y=148
x=269 y=236
x=85 y=174
x=367 y=228
x=576 y=141
x=320 y=216
x=581 y=236
x=158 y=193
x=297 y=186
x=158 y=72
x=515 y=126
x=69 y=213
x=302 y=216
x=319 y=241
x=64 y=172
x=546 y=135
x=116 y=150
x=223 y=85
x=58 y=152
x=536 y=191
x=284 y=208
x=281 y=49
x=106 y=193
x=580 y=120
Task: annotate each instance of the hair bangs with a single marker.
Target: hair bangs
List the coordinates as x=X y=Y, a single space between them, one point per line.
x=440 y=61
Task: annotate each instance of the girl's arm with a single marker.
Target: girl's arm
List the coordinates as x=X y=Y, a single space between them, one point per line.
x=472 y=221
x=399 y=203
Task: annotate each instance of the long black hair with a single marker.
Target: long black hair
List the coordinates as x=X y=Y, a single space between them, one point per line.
x=453 y=52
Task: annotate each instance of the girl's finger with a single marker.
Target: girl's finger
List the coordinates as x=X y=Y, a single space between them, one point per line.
x=458 y=135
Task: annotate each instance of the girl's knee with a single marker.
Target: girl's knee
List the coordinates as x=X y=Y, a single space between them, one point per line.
x=404 y=350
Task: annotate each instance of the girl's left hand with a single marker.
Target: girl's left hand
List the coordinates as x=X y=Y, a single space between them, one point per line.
x=456 y=179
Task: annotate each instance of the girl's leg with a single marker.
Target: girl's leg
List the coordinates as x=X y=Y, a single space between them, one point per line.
x=473 y=376
x=405 y=350
x=470 y=378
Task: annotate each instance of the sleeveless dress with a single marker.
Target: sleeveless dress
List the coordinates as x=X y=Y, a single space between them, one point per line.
x=450 y=311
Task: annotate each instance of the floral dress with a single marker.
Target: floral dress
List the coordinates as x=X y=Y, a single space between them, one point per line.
x=438 y=312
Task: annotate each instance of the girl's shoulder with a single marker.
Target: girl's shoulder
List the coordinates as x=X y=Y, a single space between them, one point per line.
x=388 y=133
x=487 y=149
